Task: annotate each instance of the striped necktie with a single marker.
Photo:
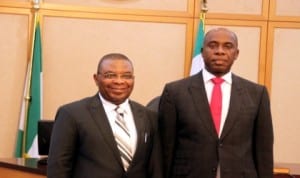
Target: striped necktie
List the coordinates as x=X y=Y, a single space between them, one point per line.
x=122 y=137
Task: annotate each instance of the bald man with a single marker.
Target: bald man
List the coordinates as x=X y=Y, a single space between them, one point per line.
x=233 y=141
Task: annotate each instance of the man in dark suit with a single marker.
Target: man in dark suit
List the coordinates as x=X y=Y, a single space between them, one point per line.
x=241 y=145
x=92 y=138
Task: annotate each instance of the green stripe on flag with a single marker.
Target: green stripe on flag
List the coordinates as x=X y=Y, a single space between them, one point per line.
x=200 y=38
x=34 y=109
x=197 y=61
x=33 y=112
x=18 y=151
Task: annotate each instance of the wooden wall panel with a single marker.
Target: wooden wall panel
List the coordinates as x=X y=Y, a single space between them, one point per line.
x=73 y=47
x=285 y=92
x=257 y=10
x=13 y=61
x=285 y=10
x=292 y=9
x=236 y=7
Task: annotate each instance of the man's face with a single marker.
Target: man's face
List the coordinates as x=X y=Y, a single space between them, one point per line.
x=115 y=80
x=219 y=51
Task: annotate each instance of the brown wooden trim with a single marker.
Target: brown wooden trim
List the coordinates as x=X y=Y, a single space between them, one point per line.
x=121 y=17
x=14 y=10
x=109 y=10
x=189 y=44
x=236 y=16
x=16 y=4
x=262 y=53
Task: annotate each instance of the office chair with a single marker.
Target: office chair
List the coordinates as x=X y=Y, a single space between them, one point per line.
x=44 y=137
x=154 y=104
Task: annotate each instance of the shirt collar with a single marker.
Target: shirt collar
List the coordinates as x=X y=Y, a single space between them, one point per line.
x=109 y=106
x=207 y=76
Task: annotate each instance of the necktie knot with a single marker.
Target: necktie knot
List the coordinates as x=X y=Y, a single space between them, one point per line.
x=120 y=118
x=120 y=111
x=217 y=80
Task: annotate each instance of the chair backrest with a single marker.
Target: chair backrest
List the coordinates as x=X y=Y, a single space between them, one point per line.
x=44 y=136
x=154 y=104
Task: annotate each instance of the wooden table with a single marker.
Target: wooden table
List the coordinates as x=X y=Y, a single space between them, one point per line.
x=29 y=168
x=282 y=169
x=21 y=168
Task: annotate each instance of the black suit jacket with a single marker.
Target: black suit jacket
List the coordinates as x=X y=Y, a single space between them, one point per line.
x=83 y=145
x=191 y=146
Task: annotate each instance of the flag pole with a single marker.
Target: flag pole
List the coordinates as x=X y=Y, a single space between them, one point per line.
x=204 y=6
x=197 y=61
x=27 y=97
x=204 y=9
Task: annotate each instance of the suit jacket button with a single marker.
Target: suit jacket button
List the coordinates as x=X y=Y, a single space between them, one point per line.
x=214 y=169
x=220 y=144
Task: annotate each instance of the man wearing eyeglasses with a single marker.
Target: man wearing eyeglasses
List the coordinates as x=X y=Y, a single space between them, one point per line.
x=106 y=135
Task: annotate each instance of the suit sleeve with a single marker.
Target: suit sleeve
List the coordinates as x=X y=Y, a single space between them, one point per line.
x=155 y=168
x=62 y=146
x=264 y=138
x=167 y=128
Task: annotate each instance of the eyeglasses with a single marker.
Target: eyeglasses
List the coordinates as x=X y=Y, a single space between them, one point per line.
x=114 y=76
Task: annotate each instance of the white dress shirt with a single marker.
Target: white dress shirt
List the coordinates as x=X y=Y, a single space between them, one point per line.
x=128 y=117
x=226 y=92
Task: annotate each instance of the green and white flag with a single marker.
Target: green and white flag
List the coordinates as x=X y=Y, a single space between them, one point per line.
x=27 y=144
x=197 y=61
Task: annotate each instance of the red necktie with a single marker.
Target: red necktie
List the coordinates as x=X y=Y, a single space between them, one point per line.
x=216 y=102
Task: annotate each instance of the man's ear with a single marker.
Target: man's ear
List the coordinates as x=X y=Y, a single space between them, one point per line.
x=237 y=53
x=95 y=79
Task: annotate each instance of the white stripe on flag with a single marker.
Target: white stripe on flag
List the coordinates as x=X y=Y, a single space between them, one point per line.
x=197 y=61
x=197 y=64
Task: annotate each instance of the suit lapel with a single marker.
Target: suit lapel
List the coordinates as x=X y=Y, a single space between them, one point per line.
x=101 y=120
x=234 y=106
x=198 y=95
x=139 y=121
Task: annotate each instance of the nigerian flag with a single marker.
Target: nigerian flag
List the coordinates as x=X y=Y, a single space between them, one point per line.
x=197 y=61
x=27 y=145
